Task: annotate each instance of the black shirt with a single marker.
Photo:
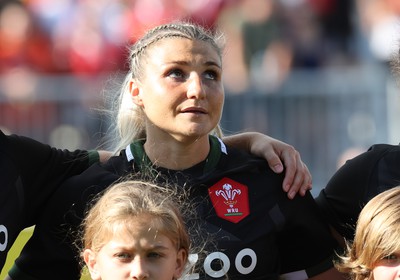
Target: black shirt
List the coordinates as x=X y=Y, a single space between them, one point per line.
x=356 y=182
x=260 y=233
x=30 y=172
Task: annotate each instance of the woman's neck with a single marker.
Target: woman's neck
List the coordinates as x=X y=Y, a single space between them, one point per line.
x=176 y=155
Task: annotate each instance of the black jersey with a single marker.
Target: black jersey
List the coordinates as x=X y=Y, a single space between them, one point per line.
x=30 y=173
x=259 y=232
x=356 y=182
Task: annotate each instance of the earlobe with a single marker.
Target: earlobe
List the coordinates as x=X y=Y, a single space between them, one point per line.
x=90 y=259
x=134 y=90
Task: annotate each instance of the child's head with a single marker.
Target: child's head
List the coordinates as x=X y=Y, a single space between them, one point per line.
x=377 y=237
x=135 y=228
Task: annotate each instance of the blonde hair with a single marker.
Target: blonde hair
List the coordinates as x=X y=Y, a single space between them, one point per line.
x=129 y=119
x=377 y=235
x=122 y=203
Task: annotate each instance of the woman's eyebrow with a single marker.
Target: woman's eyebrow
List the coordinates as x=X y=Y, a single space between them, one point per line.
x=184 y=63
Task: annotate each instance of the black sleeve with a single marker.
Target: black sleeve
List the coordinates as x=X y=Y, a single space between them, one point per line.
x=30 y=172
x=53 y=245
x=355 y=183
x=40 y=170
x=387 y=173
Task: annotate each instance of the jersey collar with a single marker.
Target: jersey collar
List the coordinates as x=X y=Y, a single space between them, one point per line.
x=135 y=152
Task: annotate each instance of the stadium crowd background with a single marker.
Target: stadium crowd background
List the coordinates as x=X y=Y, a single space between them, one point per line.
x=313 y=73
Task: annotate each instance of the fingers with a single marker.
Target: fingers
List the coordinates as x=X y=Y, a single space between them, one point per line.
x=275 y=153
x=298 y=178
x=282 y=156
x=302 y=182
x=275 y=164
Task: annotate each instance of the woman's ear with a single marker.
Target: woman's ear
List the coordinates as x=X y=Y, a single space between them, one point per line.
x=135 y=91
x=90 y=259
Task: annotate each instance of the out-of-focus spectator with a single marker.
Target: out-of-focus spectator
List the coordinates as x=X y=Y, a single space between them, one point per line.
x=336 y=20
x=257 y=56
x=305 y=35
x=380 y=24
x=22 y=42
x=320 y=32
x=280 y=36
x=21 y=111
x=268 y=55
x=24 y=49
x=80 y=34
x=230 y=22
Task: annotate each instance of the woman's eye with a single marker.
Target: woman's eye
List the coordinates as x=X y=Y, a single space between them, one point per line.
x=175 y=73
x=211 y=75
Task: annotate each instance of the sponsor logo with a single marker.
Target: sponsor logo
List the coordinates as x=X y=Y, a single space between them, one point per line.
x=226 y=264
x=3 y=241
x=230 y=200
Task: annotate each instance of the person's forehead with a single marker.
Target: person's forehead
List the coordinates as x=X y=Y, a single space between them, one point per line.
x=179 y=47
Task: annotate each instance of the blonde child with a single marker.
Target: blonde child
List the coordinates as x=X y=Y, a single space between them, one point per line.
x=375 y=251
x=135 y=231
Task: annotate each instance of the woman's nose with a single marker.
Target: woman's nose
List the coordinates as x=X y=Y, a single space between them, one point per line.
x=195 y=87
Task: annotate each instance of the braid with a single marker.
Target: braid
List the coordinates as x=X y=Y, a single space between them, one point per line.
x=177 y=29
x=139 y=48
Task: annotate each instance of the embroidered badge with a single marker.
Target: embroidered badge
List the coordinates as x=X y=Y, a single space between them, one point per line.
x=230 y=200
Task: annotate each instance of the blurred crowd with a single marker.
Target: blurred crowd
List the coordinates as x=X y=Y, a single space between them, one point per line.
x=85 y=36
x=266 y=38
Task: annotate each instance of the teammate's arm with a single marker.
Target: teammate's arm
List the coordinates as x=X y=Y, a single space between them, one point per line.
x=280 y=156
